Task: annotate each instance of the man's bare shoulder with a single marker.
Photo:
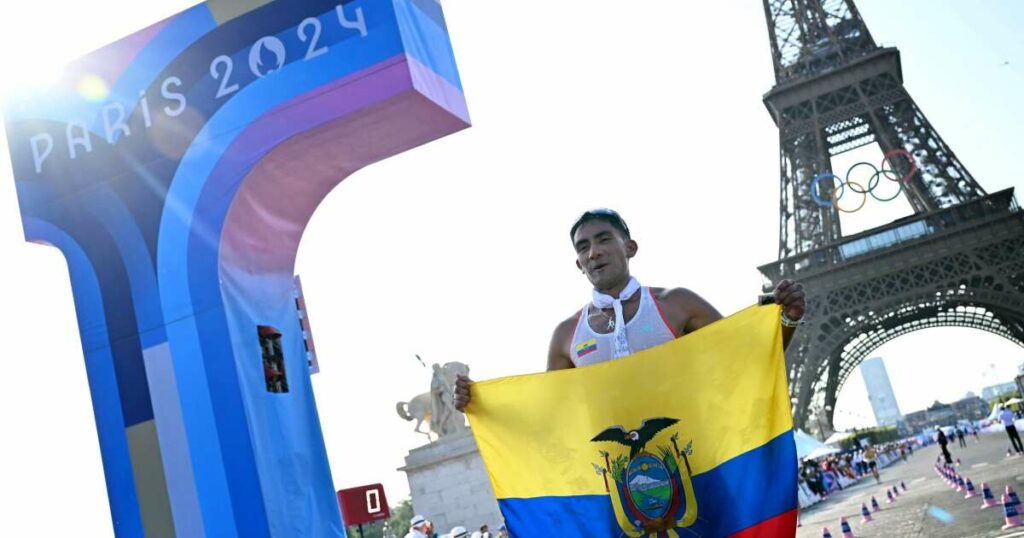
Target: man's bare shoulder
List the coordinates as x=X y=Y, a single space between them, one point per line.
x=677 y=296
x=558 y=351
x=567 y=325
x=685 y=310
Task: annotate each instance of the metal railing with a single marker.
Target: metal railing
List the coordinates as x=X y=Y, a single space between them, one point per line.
x=905 y=230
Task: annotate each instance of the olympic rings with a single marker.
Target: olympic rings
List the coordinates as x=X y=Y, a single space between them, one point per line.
x=913 y=163
x=887 y=170
x=863 y=200
x=871 y=188
x=814 y=188
x=848 y=172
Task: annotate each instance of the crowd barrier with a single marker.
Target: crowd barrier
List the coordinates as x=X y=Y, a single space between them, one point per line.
x=807 y=498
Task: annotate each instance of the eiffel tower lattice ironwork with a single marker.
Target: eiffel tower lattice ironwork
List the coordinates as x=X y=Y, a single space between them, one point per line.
x=958 y=260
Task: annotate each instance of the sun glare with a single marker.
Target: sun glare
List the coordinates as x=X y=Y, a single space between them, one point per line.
x=33 y=62
x=39 y=44
x=93 y=88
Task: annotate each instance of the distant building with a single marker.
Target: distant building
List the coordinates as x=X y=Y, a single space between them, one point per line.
x=970 y=409
x=917 y=421
x=996 y=391
x=1019 y=380
x=880 y=393
x=941 y=414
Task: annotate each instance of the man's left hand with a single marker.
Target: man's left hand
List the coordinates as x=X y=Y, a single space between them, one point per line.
x=790 y=295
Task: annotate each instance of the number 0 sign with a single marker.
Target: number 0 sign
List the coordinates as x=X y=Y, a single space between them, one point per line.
x=364 y=504
x=176 y=170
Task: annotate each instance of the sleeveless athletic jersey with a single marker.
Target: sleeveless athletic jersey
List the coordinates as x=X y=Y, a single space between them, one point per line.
x=648 y=328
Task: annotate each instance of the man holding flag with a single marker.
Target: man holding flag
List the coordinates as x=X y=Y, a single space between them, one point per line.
x=598 y=332
x=687 y=436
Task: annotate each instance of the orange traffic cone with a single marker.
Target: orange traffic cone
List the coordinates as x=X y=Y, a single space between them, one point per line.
x=874 y=504
x=825 y=533
x=865 y=515
x=987 y=499
x=903 y=485
x=888 y=497
x=1010 y=514
x=1014 y=499
x=970 y=490
x=847 y=533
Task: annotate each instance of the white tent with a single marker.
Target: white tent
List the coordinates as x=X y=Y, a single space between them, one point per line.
x=807 y=445
x=994 y=415
x=822 y=451
x=838 y=437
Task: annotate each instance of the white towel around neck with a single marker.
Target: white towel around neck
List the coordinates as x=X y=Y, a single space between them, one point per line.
x=603 y=301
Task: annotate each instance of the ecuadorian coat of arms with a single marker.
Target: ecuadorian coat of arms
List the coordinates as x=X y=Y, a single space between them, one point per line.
x=651 y=489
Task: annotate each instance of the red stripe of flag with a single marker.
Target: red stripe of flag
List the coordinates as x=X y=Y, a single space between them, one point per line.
x=783 y=524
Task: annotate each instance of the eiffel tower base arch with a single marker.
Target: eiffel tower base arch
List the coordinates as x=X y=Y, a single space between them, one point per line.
x=961 y=266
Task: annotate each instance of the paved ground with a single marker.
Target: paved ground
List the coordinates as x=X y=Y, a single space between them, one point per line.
x=913 y=514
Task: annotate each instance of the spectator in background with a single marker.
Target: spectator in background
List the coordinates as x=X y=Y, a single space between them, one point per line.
x=848 y=467
x=943 y=441
x=502 y=532
x=457 y=532
x=482 y=533
x=858 y=462
x=960 y=437
x=812 y=475
x=1011 y=429
x=419 y=527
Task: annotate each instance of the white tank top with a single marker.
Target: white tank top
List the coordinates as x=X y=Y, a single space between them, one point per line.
x=648 y=328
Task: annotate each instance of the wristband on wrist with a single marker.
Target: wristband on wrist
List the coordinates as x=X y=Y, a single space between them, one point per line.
x=786 y=322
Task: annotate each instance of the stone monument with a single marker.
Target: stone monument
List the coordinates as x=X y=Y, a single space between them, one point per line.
x=447 y=479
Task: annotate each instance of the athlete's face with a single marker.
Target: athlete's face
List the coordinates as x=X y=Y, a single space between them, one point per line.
x=603 y=253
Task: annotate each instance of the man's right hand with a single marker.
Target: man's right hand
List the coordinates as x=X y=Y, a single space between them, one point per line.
x=462 y=398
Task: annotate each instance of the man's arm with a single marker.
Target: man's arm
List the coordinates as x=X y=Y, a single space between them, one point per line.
x=686 y=310
x=558 y=350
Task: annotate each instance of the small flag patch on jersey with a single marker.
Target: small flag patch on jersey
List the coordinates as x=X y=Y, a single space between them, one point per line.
x=584 y=348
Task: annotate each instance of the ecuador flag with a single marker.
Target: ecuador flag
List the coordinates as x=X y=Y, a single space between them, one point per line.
x=691 y=438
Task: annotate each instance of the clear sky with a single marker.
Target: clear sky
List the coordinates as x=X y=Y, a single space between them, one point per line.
x=459 y=250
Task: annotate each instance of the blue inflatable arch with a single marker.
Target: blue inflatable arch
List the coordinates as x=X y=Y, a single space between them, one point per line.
x=176 y=170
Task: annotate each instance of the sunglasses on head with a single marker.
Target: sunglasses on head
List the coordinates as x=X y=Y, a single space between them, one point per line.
x=601 y=213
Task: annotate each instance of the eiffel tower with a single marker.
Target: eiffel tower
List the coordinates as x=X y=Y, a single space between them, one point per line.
x=957 y=261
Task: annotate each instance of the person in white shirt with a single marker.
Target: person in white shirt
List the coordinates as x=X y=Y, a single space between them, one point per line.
x=1011 y=429
x=418 y=528
x=858 y=463
x=458 y=532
